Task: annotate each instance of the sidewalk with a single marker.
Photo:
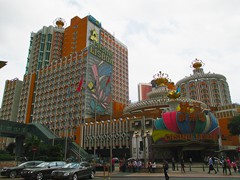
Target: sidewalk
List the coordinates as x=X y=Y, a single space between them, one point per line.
x=195 y=172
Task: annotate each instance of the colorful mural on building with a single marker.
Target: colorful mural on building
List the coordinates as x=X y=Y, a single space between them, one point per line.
x=99 y=84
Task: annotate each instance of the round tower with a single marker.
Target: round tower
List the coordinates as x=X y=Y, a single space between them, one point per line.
x=210 y=88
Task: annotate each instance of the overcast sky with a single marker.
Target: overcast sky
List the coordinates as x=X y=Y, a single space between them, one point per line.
x=161 y=35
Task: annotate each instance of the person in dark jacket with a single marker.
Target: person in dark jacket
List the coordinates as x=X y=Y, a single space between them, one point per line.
x=173 y=164
x=165 y=169
x=224 y=165
x=182 y=165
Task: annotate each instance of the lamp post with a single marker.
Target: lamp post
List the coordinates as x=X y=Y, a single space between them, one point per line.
x=65 y=151
x=54 y=130
x=95 y=125
x=110 y=144
x=137 y=148
x=144 y=140
x=67 y=121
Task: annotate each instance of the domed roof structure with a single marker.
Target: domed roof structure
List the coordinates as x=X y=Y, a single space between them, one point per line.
x=181 y=115
x=210 y=88
x=163 y=91
x=60 y=23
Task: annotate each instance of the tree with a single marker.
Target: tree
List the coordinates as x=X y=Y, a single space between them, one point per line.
x=36 y=149
x=10 y=148
x=234 y=125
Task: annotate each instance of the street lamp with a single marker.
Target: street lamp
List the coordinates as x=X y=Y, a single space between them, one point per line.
x=110 y=143
x=137 y=148
x=95 y=120
x=65 y=152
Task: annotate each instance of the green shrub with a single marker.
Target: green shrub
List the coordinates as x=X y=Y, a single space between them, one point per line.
x=6 y=157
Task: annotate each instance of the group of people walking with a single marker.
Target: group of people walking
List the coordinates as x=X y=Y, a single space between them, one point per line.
x=226 y=164
x=211 y=161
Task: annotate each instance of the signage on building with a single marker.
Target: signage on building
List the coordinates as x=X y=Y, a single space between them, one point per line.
x=94 y=21
x=189 y=122
x=101 y=52
x=192 y=113
x=189 y=137
x=94 y=36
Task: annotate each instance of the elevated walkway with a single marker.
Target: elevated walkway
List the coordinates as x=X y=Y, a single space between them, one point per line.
x=12 y=129
x=20 y=131
x=41 y=131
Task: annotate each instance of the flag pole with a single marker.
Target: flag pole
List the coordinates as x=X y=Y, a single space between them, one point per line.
x=66 y=131
x=111 y=129
x=79 y=89
x=95 y=124
x=81 y=129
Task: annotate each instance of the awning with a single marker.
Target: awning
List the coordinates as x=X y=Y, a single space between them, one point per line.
x=192 y=148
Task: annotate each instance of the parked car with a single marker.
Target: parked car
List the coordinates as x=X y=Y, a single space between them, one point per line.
x=15 y=171
x=42 y=171
x=75 y=171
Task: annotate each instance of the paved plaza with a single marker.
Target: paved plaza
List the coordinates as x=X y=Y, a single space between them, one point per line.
x=197 y=170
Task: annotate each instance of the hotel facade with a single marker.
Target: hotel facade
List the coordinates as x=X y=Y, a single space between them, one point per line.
x=73 y=75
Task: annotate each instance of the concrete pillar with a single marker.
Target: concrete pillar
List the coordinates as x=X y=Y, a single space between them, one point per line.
x=19 y=145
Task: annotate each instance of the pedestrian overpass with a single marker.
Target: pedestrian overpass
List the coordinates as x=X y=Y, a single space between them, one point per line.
x=19 y=131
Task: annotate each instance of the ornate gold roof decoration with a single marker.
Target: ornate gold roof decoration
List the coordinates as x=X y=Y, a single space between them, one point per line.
x=174 y=94
x=59 y=22
x=161 y=79
x=197 y=63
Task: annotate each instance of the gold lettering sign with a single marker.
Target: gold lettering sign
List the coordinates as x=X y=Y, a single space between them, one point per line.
x=193 y=112
x=101 y=52
x=185 y=137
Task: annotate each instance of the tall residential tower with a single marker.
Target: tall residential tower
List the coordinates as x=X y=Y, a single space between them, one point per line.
x=73 y=74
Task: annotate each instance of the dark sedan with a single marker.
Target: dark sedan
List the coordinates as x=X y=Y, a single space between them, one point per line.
x=42 y=171
x=74 y=171
x=15 y=171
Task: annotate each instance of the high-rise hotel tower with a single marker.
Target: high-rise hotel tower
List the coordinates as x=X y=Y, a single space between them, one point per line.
x=73 y=74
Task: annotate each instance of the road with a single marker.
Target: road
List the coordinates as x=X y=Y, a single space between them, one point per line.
x=174 y=178
x=143 y=178
x=150 y=178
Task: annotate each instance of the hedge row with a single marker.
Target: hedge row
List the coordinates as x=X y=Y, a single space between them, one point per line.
x=6 y=157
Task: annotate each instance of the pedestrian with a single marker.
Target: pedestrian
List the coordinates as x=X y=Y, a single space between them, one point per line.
x=149 y=166
x=224 y=165
x=135 y=167
x=210 y=166
x=165 y=169
x=229 y=165
x=154 y=166
x=182 y=165
x=234 y=165
x=173 y=164
x=113 y=165
x=238 y=165
x=206 y=158
x=190 y=161
x=139 y=165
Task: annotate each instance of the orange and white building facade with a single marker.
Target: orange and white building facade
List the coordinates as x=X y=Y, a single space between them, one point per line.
x=58 y=59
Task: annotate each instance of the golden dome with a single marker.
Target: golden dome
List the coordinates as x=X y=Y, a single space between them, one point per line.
x=59 y=22
x=196 y=64
x=161 y=79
